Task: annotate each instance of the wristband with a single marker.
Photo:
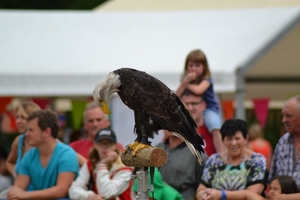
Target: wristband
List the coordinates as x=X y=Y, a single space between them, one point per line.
x=224 y=196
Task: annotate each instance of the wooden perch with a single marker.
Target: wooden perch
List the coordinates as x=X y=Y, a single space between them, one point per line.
x=146 y=157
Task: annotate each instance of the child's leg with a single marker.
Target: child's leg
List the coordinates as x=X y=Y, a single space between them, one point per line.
x=212 y=122
x=217 y=140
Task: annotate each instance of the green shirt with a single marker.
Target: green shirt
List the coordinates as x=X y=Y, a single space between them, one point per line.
x=162 y=190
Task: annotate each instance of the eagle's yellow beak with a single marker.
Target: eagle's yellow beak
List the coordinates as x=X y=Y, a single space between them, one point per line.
x=104 y=107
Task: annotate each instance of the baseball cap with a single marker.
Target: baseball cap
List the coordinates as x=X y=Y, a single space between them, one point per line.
x=106 y=133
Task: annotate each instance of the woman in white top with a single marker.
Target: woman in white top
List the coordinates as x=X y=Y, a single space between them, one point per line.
x=103 y=176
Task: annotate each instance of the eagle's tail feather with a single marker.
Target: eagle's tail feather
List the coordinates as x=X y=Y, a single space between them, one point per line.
x=191 y=147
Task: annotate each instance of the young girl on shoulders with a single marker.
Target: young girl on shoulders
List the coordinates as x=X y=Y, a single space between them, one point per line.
x=197 y=78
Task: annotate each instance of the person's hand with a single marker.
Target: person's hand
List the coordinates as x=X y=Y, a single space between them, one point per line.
x=279 y=197
x=189 y=77
x=16 y=193
x=95 y=197
x=111 y=157
x=212 y=194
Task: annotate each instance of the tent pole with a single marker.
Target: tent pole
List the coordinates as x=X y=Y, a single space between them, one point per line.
x=240 y=95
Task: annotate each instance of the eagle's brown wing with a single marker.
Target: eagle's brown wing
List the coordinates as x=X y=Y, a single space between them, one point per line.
x=155 y=106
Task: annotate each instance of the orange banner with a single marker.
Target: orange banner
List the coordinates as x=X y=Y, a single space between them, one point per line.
x=228 y=109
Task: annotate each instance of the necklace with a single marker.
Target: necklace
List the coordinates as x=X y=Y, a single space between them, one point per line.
x=242 y=159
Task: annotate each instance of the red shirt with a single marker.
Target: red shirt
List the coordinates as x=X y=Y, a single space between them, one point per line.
x=84 y=146
x=207 y=139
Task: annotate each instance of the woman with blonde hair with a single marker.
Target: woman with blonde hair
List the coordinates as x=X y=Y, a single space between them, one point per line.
x=103 y=176
x=20 y=145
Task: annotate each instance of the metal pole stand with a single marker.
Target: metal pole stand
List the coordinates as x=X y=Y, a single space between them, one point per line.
x=143 y=188
x=144 y=158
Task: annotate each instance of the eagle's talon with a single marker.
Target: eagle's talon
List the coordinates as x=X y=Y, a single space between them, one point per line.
x=135 y=147
x=130 y=147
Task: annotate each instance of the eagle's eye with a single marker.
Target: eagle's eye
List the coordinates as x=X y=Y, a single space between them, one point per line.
x=100 y=101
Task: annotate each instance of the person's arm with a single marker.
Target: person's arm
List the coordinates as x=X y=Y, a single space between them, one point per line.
x=78 y=189
x=295 y=196
x=81 y=159
x=12 y=158
x=191 y=76
x=273 y=169
x=212 y=194
x=257 y=174
x=18 y=190
x=181 y=88
x=199 y=169
x=217 y=141
x=110 y=188
x=206 y=178
x=252 y=196
x=199 y=88
x=60 y=190
x=256 y=188
x=22 y=181
x=201 y=191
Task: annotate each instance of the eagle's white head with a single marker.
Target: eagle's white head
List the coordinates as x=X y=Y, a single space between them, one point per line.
x=104 y=89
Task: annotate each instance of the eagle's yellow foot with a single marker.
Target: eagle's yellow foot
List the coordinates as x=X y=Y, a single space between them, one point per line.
x=137 y=146
x=131 y=146
x=140 y=146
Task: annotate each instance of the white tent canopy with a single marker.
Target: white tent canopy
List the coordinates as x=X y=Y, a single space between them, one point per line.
x=64 y=54
x=58 y=53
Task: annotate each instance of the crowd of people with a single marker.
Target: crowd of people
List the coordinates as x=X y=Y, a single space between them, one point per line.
x=238 y=163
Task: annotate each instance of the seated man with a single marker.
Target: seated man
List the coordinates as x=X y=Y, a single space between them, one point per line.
x=196 y=105
x=182 y=170
x=51 y=167
x=94 y=120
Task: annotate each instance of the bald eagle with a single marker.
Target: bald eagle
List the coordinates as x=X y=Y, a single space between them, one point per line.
x=155 y=107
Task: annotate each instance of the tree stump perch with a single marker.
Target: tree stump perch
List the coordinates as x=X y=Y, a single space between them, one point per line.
x=146 y=157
